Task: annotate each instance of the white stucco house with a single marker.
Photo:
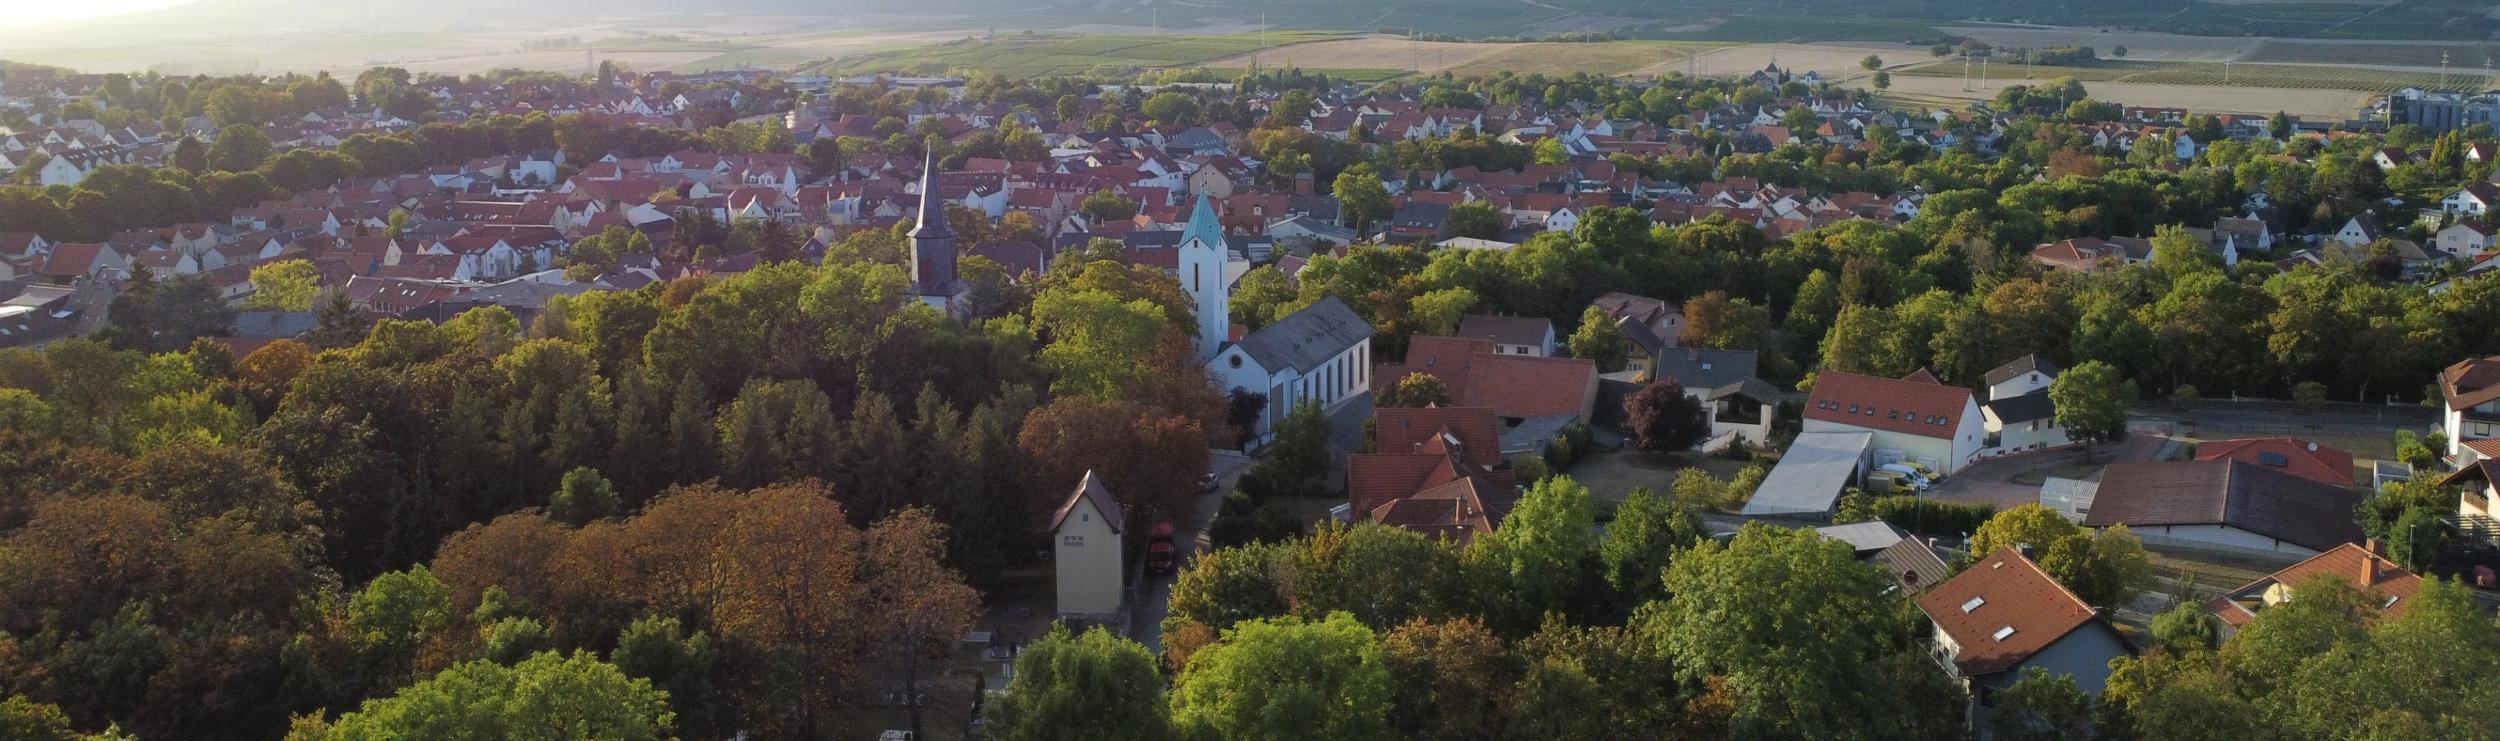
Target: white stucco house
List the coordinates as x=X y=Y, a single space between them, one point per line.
x=1086 y=550
x=1914 y=418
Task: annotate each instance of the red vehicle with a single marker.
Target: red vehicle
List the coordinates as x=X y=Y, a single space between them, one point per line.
x=1159 y=551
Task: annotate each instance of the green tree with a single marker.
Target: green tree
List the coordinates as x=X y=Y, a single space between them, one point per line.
x=2308 y=396
x=1550 y=151
x=1095 y=685
x=284 y=285
x=1646 y=534
x=1478 y=219
x=1883 y=80
x=2092 y=400
x=1363 y=197
x=1416 y=390
x=2185 y=627
x=584 y=497
x=1287 y=678
x=1600 y=340
x=28 y=720
x=1793 y=624
x=1543 y=559
x=2041 y=707
x=544 y=697
x=653 y=649
x=239 y=148
x=1438 y=312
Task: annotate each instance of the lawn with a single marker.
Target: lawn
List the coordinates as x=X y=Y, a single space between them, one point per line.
x=1611 y=475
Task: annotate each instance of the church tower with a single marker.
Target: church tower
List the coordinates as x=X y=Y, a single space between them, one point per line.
x=933 y=243
x=1202 y=259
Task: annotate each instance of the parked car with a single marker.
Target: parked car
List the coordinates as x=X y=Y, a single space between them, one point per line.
x=1910 y=473
x=1159 y=550
x=1207 y=483
x=1888 y=483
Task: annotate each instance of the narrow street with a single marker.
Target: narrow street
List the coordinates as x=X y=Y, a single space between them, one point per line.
x=1154 y=597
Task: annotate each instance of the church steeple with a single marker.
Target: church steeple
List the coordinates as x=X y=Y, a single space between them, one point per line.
x=932 y=241
x=1203 y=254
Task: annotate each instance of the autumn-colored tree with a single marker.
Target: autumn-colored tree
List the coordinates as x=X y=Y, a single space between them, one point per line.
x=1416 y=390
x=1149 y=458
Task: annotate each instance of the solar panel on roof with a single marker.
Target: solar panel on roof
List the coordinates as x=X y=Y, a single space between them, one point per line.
x=2277 y=460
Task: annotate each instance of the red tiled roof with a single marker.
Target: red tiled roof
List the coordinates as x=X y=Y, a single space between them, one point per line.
x=2355 y=564
x=2300 y=458
x=2003 y=591
x=1914 y=407
x=1516 y=386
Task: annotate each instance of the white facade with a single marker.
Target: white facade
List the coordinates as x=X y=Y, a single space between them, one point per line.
x=1347 y=374
x=1950 y=453
x=1201 y=273
x=2220 y=538
x=2460 y=429
x=1089 y=560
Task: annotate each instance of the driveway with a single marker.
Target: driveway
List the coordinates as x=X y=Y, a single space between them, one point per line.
x=1154 y=595
x=2015 y=480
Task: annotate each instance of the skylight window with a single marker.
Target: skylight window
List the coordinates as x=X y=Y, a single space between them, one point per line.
x=2003 y=633
x=1974 y=603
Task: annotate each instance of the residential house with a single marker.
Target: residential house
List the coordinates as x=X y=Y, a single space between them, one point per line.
x=2020 y=415
x=1087 y=554
x=1321 y=353
x=1914 y=418
x=2463 y=240
x=2090 y=254
x=1511 y=335
x=2479 y=505
x=1438 y=470
x=2226 y=506
x=1534 y=397
x=2362 y=229
x=33 y=314
x=2308 y=460
x=1419 y=221
x=1738 y=402
x=2471 y=389
x=1911 y=562
x=2475 y=199
x=1663 y=320
x=2365 y=566
x=2003 y=616
x=70 y=262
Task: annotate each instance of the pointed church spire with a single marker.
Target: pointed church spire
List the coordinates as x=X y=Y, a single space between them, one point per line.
x=932 y=204
x=1204 y=226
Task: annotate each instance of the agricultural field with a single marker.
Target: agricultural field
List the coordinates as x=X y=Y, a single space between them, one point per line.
x=2314 y=77
x=2460 y=57
x=1803 y=27
x=1041 y=56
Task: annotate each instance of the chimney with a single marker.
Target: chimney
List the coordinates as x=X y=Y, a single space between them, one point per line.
x=1302 y=184
x=2375 y=547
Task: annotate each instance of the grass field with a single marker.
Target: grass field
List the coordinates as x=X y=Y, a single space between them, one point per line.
x=1041 y=56
x=2311 y=77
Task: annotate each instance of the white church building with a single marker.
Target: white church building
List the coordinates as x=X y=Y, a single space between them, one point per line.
x=1321 y=353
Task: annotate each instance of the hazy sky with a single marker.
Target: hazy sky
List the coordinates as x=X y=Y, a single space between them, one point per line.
x=57 y=10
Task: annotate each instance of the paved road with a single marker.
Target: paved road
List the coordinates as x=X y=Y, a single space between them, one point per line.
x=1154 y=597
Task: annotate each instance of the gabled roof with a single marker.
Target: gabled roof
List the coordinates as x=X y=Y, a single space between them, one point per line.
x=1514 y=386
x=2001 y=611
x=1704 y=368
x=2022 y=408
x=2245 y=496
x=1307 y=338
x=2301 y=458
x=2469 y=382
x=1090 y=490
x=1910 y=405
x=2018 y=366
x=2392 y=584
x=1506 y=330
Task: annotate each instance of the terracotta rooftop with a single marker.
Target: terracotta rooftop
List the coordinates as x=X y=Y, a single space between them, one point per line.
x=2301 y=458
x=2393 y=585
x=1915 y=406
x=2002 y=610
